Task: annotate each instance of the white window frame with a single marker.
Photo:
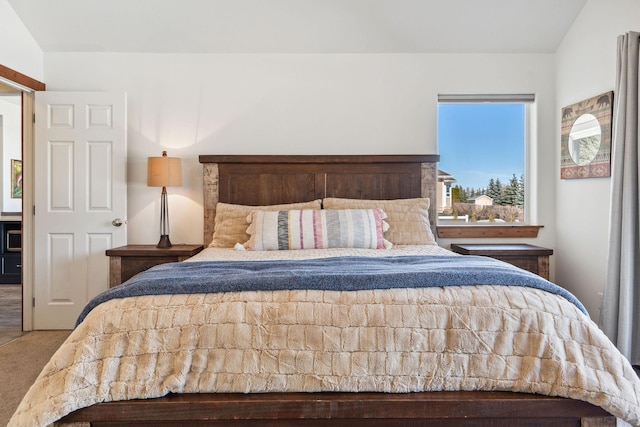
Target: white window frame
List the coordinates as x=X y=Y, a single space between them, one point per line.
x=530 y=142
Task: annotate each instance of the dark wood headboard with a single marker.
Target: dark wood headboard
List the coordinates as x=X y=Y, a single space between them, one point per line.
x=267 y=180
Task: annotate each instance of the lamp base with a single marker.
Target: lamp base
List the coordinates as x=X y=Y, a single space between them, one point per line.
x=164 y=242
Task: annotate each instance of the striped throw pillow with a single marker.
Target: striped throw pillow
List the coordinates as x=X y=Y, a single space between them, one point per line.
x=317 y=229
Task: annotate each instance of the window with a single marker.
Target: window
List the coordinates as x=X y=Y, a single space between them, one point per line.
x=482 y=142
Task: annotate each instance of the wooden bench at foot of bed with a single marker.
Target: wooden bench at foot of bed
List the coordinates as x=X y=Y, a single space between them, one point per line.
x=346 y=409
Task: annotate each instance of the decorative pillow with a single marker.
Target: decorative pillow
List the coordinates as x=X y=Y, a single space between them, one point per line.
x=408 y=218
x=317 y=229
x=231 y=221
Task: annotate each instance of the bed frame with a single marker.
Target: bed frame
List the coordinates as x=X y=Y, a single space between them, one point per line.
x=264 y=180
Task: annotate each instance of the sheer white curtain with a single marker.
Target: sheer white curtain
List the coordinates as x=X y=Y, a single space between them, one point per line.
x=620 y=316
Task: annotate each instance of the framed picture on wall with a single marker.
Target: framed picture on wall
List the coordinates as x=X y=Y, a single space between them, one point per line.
x=586 y=138
x=16 y=179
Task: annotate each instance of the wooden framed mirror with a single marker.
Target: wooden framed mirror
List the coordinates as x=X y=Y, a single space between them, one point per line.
x=586 y=138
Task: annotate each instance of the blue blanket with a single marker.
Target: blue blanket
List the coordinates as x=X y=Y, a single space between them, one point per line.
x=339 y=273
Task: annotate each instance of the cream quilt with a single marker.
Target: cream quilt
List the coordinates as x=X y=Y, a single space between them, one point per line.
x=400 y=340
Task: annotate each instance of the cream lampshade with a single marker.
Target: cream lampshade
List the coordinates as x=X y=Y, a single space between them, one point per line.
x=164 y=172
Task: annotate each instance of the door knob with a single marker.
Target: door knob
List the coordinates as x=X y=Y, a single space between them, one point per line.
x=116 y=222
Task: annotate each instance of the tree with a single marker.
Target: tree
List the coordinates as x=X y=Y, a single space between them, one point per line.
x=455 y=194
x=493 y=190
x=500 y=191
x=520 y=196
x=510 y=193
x=464 y=195
x=471 y=192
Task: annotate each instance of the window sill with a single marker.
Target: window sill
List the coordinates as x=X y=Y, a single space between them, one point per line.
x=479 y=231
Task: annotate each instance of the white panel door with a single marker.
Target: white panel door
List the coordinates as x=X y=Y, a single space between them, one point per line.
x=80 y=191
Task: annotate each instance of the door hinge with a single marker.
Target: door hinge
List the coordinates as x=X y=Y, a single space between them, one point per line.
x=34 y=117
x=33 y=302
x=34 y=209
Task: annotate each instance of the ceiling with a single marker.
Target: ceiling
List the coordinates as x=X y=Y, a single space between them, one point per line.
x=298 y=26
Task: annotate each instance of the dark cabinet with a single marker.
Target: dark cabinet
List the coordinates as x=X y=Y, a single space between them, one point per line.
x=10 y=252
x=528 y=257
x=127 y=261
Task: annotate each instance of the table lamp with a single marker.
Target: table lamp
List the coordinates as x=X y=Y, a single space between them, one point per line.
x=164 y=172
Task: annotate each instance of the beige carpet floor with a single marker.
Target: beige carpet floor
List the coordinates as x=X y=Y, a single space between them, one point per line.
x=21 y=360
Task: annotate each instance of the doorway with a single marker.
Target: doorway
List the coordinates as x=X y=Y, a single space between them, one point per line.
x=26 y=86
x=10 y=213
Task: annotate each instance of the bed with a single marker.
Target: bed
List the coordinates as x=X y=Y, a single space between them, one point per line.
x=485 y=354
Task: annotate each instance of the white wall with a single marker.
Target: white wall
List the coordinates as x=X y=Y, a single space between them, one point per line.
x=586 y=66
x=11 y=148
x=290 y=104
x=18 y=50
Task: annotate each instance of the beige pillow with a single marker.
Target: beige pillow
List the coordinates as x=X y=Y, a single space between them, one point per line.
x=408 y=219
x=231 y=221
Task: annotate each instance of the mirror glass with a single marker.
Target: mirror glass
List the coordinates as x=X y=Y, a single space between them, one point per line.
x=584 y=139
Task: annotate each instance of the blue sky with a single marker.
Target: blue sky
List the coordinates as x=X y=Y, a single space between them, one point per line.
x=477 y=142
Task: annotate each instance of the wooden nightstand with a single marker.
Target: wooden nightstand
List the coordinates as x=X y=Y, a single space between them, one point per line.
x=127 y=261
x=528 y=257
